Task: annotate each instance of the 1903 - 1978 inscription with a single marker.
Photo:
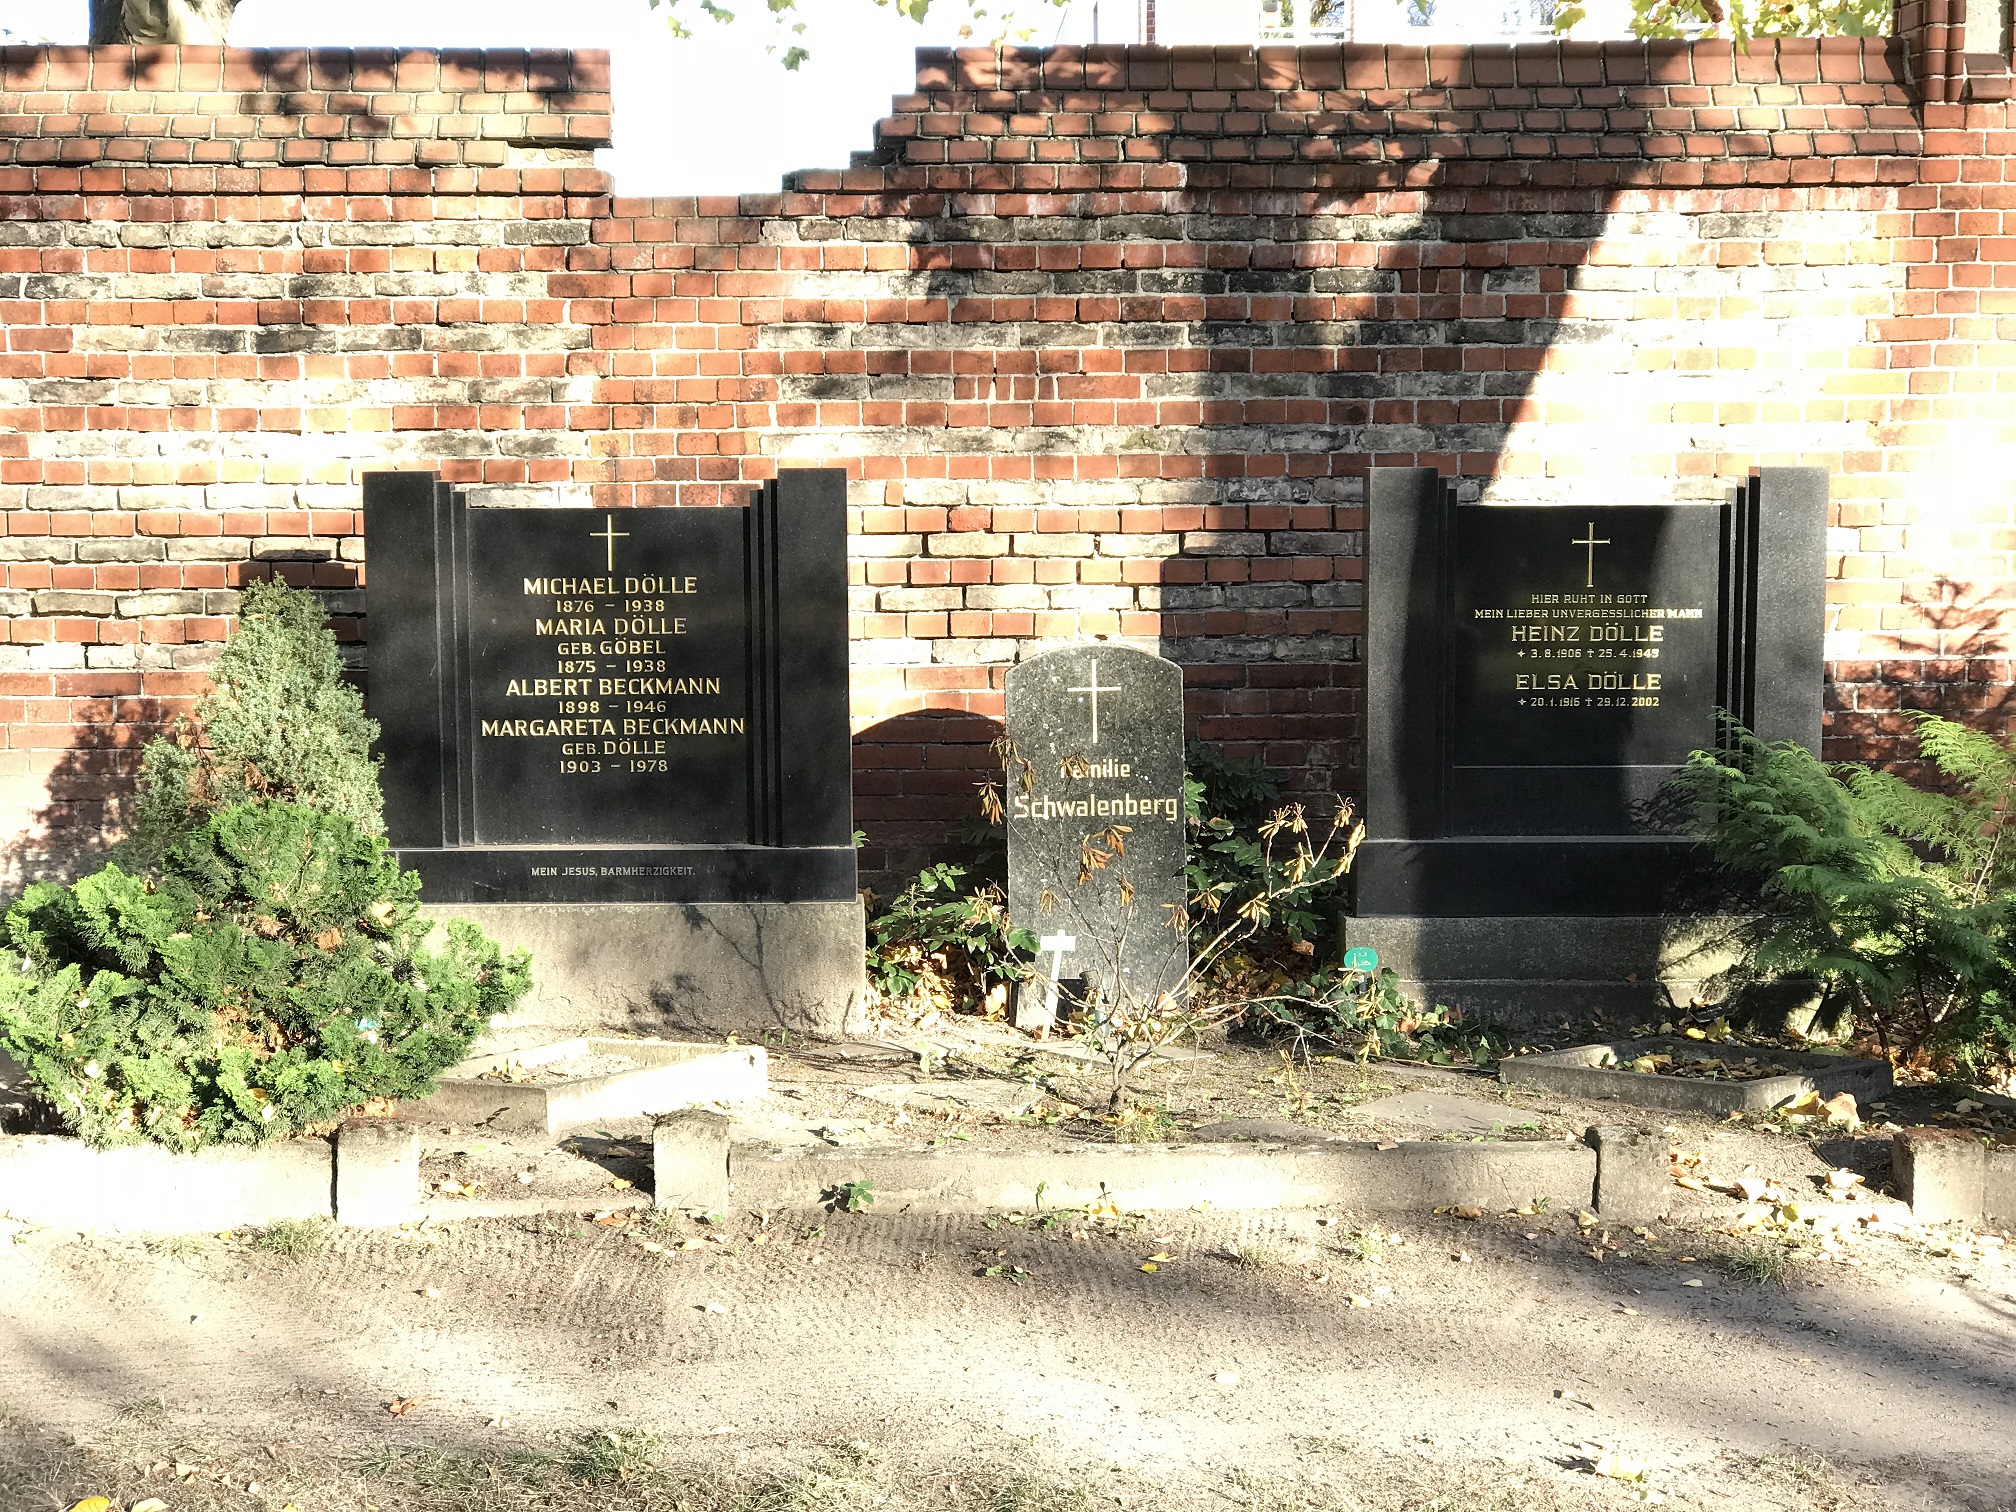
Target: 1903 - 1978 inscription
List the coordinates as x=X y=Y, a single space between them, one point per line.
x=609 y=651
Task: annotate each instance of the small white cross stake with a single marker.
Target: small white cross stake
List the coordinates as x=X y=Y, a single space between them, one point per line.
x=1092 y=686
x=612 y=535
x=1592 y=543
x=1056 y=946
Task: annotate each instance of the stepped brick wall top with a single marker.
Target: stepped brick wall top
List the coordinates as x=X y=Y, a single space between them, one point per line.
x=1106 y=338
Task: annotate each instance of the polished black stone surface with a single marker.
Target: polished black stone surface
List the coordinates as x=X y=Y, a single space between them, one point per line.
x=1582 y=648
x=1095 y=761
x=1535 y=674
x=551 y=682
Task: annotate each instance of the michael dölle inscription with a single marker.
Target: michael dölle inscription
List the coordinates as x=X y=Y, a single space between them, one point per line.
x=644 y=704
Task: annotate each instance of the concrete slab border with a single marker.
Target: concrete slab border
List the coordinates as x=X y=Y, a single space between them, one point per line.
x=671 y=1074
x=1585 y=1071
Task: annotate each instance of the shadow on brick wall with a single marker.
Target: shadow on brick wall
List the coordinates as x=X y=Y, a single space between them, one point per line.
x=921 y=775
x=106 y=719
x=1955 y=664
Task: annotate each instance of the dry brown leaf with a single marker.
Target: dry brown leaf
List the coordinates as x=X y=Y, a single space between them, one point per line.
x=329 y=939
x=400 y=1406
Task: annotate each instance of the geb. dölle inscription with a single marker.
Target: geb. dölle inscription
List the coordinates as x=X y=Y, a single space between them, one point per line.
x=595 y=705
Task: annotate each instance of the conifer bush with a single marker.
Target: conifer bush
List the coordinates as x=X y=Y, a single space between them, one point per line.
x=258 y=966
x=278 y=722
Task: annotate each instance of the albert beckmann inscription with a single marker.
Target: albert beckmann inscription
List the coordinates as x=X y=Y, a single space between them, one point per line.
x=1583 y=637
x=645 y=703
x=603 y=656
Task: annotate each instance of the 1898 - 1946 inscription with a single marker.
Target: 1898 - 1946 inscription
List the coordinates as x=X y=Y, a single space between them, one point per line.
x=649 y=700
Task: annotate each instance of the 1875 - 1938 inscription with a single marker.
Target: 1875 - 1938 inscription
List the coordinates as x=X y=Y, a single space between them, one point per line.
x=637 y=704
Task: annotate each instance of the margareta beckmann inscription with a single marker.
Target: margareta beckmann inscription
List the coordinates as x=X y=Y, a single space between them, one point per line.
x=646 y=678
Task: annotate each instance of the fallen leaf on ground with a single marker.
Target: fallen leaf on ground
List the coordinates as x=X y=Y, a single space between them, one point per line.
x=1466 y=1211
x=622 y=1183
x=1618 y=1465
x=400 y=1406
x=152 y=1504
x=91 y=1504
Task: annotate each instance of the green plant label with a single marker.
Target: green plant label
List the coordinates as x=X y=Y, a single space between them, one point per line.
x=1361 y=958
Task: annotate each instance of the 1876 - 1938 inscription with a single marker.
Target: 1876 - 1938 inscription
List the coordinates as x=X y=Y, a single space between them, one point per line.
x=638 y=704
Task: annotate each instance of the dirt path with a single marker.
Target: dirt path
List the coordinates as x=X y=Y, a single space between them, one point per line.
x=878 y=1327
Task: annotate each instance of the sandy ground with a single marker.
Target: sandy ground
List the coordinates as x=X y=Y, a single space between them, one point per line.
x=1409 y=1366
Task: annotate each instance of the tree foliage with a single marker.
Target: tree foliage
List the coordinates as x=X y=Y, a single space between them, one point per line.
x=1741 y=20
x=1898 y=899
x=177 y=22
x=278 y=723
x=271 y=977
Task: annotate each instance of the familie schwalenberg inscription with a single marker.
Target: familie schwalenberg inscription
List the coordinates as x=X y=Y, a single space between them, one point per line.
x=1094 y=806
x=613 y=705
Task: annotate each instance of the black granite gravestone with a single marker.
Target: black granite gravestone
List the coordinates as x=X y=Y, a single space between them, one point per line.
x=1095 y=770
x=637 y=706
x=1535 y=674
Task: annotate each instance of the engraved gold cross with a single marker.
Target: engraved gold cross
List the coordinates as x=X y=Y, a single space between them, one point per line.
x=1592 y=543
x=612 y=535
x=1092 y=686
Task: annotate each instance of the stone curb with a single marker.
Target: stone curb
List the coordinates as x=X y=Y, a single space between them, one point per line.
x=1575 y=1072
x=1949 y=1176
x=670 y=1075
x=368 y=1177
x=699 y=1168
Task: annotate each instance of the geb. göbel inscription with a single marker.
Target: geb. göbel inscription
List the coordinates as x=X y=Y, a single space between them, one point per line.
x=609 y=660
x=1583 y=636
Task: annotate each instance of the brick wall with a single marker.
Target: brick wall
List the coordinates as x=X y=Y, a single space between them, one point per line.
x=1106 y=337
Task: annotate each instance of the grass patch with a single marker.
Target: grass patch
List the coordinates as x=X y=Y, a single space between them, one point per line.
x=1363 y=1246
x=625 y=1469
x=1763 y=1262
x=1266 y=1254
x=1143 y=1123
x=175 y=1246
x=617 y=1457
x=295 y=1238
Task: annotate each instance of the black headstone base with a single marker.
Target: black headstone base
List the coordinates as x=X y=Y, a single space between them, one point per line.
x=666 y=969
x=699 y=874
x=1582 y=875
x=1536 y=973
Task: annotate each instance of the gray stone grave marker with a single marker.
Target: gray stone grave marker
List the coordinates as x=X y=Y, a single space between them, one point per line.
x=1095 y=768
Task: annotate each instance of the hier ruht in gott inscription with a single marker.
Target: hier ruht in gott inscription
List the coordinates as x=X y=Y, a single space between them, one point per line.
x=634 y=705
x=1093 y=794
x=1535 y=674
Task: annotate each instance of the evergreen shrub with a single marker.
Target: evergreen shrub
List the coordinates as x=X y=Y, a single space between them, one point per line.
x=279 y=722
x=254 y=965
